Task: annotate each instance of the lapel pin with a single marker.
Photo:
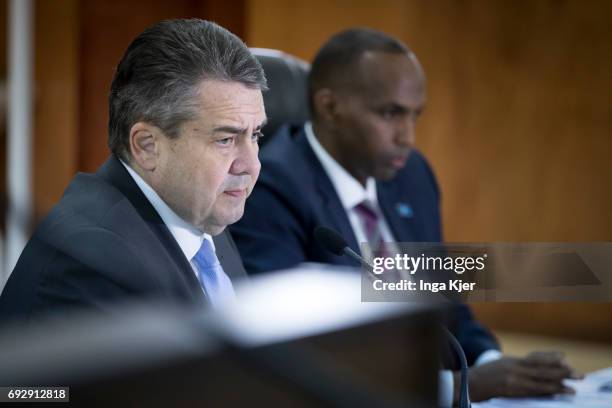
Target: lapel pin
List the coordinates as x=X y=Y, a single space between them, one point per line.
x=404 y=210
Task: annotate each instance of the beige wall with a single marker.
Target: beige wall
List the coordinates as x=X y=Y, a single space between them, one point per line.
x=56 y=100
x=518 y=124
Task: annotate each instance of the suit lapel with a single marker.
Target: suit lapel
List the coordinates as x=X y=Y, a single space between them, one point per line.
x=393 y=207
x=333 y=214
x=228 y=256
x=114 y=173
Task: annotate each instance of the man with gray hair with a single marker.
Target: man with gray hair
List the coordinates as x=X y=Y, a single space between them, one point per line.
x=186 y=110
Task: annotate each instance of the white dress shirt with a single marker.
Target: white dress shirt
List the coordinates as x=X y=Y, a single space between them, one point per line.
x=186 y=235
x=351 y=193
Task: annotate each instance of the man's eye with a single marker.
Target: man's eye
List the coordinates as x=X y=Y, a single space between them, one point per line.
x=256 y=136
x=225 y=142
x=388 y=113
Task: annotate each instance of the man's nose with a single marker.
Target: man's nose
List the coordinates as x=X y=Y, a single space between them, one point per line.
x=405 y=133
x=247 y=159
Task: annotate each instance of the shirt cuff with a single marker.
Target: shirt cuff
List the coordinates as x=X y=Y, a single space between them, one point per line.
x=488 y=356
x=445 y=388
x=446 y=381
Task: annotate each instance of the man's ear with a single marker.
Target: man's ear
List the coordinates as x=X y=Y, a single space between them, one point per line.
x=144 y=145
x=325 y=104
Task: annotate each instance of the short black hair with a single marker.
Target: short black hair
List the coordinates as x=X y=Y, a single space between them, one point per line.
x=158 y=78
x=334 y=61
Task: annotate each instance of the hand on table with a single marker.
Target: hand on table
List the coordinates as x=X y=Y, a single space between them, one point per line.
x=540 y=373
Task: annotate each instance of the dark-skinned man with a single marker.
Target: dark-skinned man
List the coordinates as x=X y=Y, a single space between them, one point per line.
x=355 y=165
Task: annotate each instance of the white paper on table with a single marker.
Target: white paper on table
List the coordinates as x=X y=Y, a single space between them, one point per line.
x=587 y=395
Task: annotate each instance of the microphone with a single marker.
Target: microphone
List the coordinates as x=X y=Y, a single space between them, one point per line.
x=464 y=392
x=333 y=242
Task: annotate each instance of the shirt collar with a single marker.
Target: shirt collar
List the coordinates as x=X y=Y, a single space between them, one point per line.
x=349 y=190
x=188 y=237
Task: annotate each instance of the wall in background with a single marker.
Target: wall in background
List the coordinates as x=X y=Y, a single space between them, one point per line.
x=56 y=100
x=3 y=113
x=518 y=124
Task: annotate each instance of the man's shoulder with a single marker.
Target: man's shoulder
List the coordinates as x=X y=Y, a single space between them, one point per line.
x=86 y=202
x=79 y=251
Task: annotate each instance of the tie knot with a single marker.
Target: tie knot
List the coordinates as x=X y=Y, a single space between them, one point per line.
x=206 y=257
x=366 y=211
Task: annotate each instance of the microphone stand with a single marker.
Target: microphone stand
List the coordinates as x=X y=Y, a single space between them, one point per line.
x=336 y=240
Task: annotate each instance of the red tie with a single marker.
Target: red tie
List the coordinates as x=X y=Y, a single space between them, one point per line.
x=369 y=220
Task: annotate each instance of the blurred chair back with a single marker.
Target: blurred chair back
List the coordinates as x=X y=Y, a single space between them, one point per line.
x=286 y=100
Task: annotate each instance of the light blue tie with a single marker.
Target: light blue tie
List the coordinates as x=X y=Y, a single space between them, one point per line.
x=214 y=281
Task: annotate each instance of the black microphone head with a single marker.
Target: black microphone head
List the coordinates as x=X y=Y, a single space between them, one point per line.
x=330 y=239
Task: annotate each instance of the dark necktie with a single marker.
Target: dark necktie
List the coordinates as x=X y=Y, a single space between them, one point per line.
x=370 y=221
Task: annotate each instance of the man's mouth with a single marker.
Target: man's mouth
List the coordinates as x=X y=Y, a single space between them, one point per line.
x=236 y=193
x=398 y=162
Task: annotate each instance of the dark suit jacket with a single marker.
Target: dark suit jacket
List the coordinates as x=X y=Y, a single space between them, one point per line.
x=103 y=244
x=294 y=195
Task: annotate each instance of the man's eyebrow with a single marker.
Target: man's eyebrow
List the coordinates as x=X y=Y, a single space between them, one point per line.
x=230 y=129
x=404 y=109
x=264 y=123
x=398 y=107
x=236 y=130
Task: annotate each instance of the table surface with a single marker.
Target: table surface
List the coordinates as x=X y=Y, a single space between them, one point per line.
x=583 y=356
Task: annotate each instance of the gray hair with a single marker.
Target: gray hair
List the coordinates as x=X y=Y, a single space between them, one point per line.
x=158 y=78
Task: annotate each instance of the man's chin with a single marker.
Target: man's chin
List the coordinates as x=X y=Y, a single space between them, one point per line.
x=234 y=216
x=385 y=174
x=214 y=230
x=217 y=224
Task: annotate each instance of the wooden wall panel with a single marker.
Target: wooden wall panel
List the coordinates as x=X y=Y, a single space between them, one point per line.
x=3 y=38
x=518 y=125
x=3 y=113
x=519 y=121
x=300 y=27
x=56 y=65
